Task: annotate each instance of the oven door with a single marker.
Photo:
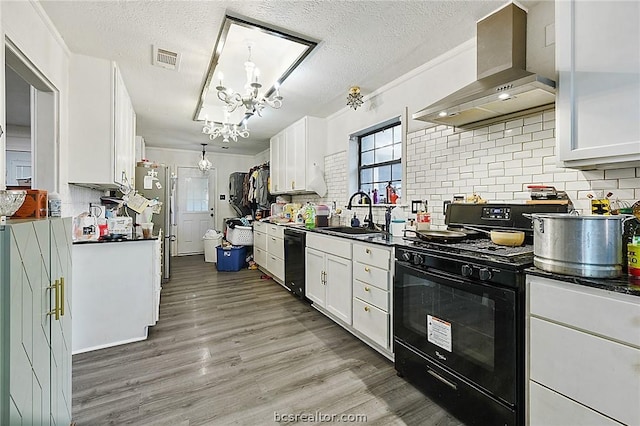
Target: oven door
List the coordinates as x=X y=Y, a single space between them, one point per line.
x=467 y=327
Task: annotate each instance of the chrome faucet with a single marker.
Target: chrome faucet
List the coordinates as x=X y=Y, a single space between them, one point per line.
x=349 y=206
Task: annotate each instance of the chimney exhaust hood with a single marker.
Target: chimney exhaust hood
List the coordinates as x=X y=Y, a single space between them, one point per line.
x=503 y=85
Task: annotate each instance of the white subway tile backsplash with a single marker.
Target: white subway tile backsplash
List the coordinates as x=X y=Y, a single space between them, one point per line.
x=531 y=119
x=629 y=183
x=514 y=123
x=531 y=128
x=620 y=173
x=497 y=162
x=513 y=132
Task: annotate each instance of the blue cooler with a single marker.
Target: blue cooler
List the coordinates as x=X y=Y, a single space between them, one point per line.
x=231 y=259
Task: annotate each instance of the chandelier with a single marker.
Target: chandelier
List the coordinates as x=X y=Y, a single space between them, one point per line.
x=252 y=102
x=204 y=165
x=354 y=98
x=225 y=129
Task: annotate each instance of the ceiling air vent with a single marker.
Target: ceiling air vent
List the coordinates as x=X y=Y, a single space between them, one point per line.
x=166 y=59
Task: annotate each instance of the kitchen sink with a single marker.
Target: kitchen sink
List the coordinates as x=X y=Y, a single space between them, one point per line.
x=350 y=230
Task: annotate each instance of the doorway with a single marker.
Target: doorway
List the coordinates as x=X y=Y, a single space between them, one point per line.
x=32 y=148
x=195 y=208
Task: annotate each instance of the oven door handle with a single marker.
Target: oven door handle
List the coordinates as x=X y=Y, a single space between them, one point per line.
x=432 y=273
x=442 y=379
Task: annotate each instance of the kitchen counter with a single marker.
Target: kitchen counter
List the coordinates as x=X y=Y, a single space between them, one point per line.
x=623 y=284
x=123 y=240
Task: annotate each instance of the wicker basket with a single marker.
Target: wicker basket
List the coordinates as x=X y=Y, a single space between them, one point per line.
x=240 y=235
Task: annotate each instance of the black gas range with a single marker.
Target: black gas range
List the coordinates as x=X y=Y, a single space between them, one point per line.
x=459 y=315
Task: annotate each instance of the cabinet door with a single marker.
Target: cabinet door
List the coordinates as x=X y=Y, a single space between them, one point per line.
x=124 y=144
x=278 y=162
x=371 y=321
x=61 y=328
x=549 y=408
x=296 y=142
x=571 y=362
x=314 y=276
x=339 y=287
x=598 y=103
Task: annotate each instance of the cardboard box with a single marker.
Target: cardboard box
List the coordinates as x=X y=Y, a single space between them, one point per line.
x=35 y=204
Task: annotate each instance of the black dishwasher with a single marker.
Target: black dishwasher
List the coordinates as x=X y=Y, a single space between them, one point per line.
x=294 y=261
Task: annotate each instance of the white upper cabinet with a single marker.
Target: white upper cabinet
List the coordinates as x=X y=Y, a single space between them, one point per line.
x=293 y=154
x=598 y=103
x=101 y=124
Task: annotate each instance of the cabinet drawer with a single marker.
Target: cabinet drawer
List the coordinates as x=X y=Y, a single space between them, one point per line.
x=260 y=226
x=593 y=371
x=275 y=246
x=372 y=322
x=275 y=265
x=275 y=231
x=367 y=253
x=260 y=256
x=549 y=408
x=598 y=311
x=335 y=245
x=371 y=275
x=260 y=240
x=372 y=295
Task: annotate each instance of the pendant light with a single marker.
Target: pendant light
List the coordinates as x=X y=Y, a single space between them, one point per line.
x=204 y=165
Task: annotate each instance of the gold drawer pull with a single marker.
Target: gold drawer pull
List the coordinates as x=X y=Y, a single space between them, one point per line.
x=368 y=251
x=367 y=289
x=366 y=269
x=61 y=296
x=56 y=310
x=366 y=309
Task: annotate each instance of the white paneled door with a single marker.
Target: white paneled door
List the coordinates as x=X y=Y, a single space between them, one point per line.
x=195 y=208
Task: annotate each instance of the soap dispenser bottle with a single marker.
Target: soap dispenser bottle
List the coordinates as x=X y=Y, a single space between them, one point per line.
x=354 y=221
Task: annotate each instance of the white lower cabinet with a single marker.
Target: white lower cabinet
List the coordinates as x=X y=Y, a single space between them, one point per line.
x=328 y=275
x=371 y=293
x=583 y=354
x=268 y=249
x=352 y=284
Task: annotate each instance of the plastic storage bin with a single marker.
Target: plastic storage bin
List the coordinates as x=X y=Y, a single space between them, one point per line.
x=231 y=259
x=240 y=235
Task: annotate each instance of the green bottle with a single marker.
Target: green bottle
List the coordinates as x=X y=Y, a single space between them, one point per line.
x=310 y=217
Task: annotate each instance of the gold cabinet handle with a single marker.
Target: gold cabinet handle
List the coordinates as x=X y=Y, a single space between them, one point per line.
x=366 y=269
x=56 y=310
x=62 y=296
x=366 y=309
x=368 y=251
x=367 y=289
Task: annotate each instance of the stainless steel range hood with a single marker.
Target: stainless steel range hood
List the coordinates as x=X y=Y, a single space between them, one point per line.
x=503 y=86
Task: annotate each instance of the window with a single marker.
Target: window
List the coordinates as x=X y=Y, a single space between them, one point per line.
x=380 y=163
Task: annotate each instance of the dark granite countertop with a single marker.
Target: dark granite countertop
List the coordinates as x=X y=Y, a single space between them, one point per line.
x=380 y=238
x=624 y=284
x=115 y=241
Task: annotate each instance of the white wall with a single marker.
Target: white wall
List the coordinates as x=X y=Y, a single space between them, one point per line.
x=224 y=165
x=29 y=28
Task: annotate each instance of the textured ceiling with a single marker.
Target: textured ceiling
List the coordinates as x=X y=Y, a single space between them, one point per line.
x=365 y=43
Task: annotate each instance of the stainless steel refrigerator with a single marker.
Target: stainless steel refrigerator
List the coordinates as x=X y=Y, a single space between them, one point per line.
x=157 y=183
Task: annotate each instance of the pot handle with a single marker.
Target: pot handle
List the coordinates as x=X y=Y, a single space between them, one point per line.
x=539 y=219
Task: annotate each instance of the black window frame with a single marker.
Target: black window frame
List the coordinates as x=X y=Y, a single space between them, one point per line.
x=381 y=164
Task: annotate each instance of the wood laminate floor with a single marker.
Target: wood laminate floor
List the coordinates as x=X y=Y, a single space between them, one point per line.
x=233 y=348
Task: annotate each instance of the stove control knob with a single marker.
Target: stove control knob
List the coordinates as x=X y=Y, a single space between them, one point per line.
x=485 y=274
x=406 y=256
x=467 y=270
x=417 y=259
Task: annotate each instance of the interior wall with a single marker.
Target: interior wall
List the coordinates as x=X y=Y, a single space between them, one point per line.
x=224 y=164
x=31 y=31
